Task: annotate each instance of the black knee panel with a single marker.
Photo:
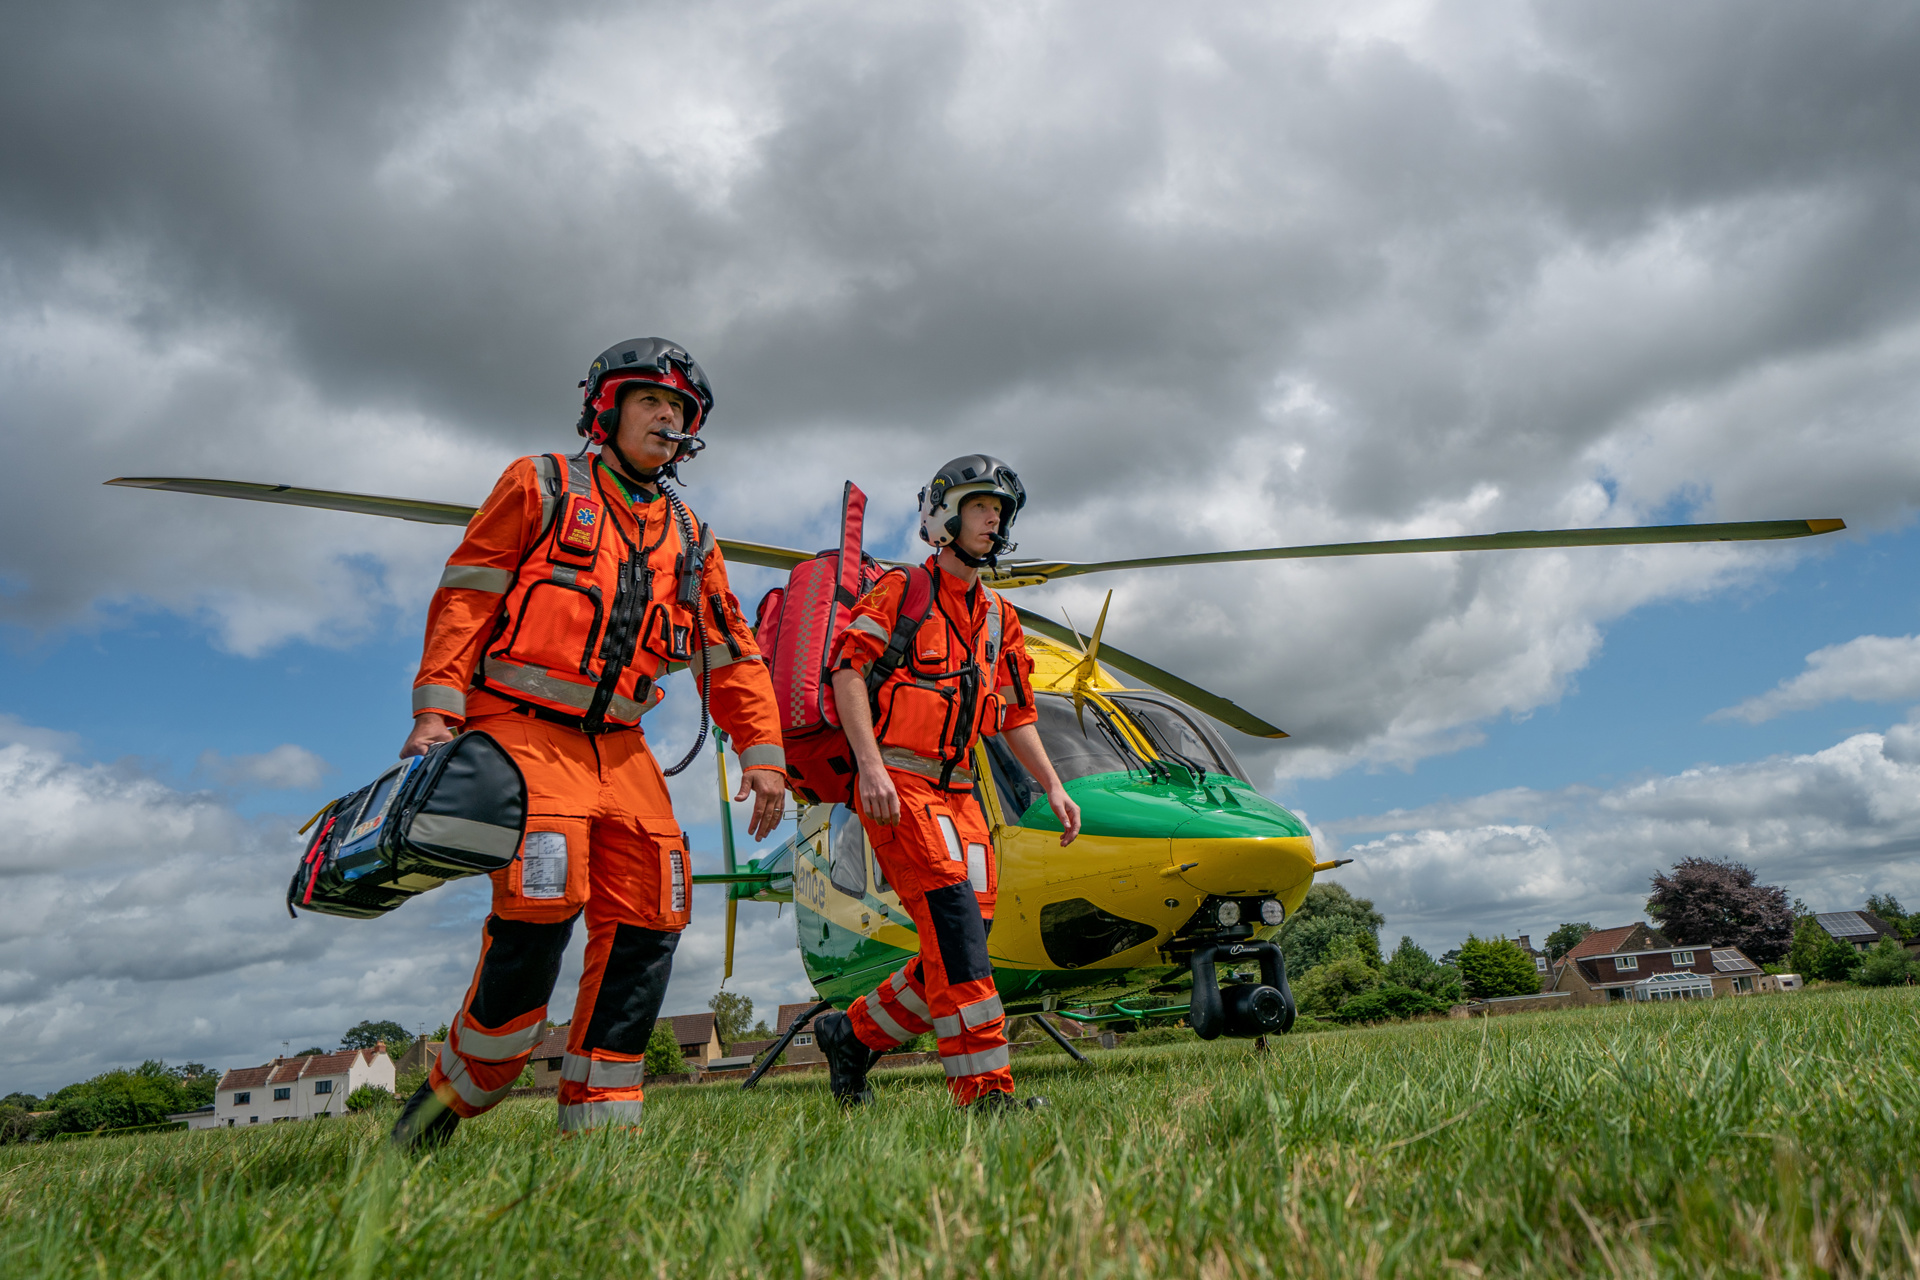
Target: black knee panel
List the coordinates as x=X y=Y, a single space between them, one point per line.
x=522 y=964
x=959 y=932
x=631 y=989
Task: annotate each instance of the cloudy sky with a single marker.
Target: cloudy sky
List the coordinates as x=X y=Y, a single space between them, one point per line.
x=1209 y=277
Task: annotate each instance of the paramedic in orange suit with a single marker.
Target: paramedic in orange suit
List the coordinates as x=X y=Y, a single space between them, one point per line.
x=964 y=672
x=580 y=584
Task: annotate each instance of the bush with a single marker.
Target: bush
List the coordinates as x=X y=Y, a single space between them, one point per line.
x=1389 y=1002
x=1412 y=967
x=663 y=1052
x=1887 y=965
x=1345 y=975
x=405 y=1086
x=368 y=1097
x=1327 y=918
x=1494 y=967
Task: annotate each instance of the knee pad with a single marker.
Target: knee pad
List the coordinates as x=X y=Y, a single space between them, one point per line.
x=517 y=974
x=632 y=985
x=959 y=932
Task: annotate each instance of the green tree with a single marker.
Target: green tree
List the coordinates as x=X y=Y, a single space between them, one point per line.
x=1887 y=964
x=1328 y=915
x=1494 y=967
x=1345 y=974
x=116 y=1100
x=1413 y=968
x=315 y=1052
x=1805 y=947
x=365 y=1035
x=1566 y=938
x=1888 y=908
x=663 y=1052
x=369 y=1096
x=24 y=1101
x=731 y=1015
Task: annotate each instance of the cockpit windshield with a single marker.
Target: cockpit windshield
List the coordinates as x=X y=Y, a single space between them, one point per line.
x=1177 y=733
x=1074 y=751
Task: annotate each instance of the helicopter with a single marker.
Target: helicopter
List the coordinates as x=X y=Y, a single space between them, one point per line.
x=1184 y=871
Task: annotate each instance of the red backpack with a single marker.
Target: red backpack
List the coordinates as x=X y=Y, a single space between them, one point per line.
x=797 y=626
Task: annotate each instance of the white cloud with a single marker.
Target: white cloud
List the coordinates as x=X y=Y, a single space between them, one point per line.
x=1864 y=669
x=1832 y=826
x=285 y=767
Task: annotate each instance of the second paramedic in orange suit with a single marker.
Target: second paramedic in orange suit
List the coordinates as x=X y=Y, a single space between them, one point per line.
x=580 y=584
x=962 y=673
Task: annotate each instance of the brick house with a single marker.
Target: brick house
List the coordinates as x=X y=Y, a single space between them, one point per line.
x=298 y=1088
x=1637 y=962
x=419 y=1056
x=696 y=1033
x=803 y=1049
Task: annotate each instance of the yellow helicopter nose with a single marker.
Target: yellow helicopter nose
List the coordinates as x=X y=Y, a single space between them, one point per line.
x=1242 y=867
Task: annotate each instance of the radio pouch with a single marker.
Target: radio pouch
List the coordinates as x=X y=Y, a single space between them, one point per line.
x=459 y=810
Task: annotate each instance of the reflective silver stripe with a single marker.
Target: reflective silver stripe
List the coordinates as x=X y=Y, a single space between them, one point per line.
x=591 y=1115
x=549 y=477
x=947 y=1028
x=450 y=832
x=579 y=474
x=455 y=1070
x=884 y=1020
x=538 y=683
x=993 y=631
x=718 y=656
x=910 y=999
x=504 y=1047
x=768 y=755
x=871 y=626
x=565 y=575
x=439 y=697
x=1006 y=692
x=476 y=577
x=982 y=1011
x=976 y=1064
x=597 y=1073
x=913 y=762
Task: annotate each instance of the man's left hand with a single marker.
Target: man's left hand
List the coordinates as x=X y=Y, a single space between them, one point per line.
x=1067 y=811
x=769 y=790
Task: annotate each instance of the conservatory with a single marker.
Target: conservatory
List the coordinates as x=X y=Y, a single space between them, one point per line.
x=1674 y=986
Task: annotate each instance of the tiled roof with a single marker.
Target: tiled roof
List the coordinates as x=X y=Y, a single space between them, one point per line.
x=1600 y=942
x=691 y=1028
x=334 y=1064
x=246 y=1077
x=788 y=1012
x=553 y=1044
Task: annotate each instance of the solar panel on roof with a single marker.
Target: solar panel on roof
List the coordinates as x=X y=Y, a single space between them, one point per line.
x=1730 y=961
x=1845 y=924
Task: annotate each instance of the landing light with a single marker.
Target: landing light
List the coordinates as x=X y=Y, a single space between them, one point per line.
x=1227 y=914
x=1271 y=912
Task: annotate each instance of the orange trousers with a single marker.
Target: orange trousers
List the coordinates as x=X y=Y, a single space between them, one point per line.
x=601 y=838
x=948 y=988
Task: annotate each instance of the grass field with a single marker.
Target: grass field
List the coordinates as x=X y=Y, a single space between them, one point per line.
x=1772 y=1136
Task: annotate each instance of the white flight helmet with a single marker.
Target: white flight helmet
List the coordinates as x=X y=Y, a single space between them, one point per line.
x=953 y=484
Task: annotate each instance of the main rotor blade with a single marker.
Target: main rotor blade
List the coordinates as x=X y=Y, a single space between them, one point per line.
x=1213 y=704
x=405 y=509
x=1738 y=531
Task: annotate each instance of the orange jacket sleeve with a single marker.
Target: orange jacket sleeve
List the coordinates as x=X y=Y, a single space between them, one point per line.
x=742 y=692
x=870 y=624
x=467 y=603
x=1014 y=671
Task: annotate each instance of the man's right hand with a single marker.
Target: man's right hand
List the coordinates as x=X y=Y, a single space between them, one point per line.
x=430 y=729
x=878 y=799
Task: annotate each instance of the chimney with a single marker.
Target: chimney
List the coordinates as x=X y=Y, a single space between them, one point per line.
x=380 y=1046
x=1526 y=943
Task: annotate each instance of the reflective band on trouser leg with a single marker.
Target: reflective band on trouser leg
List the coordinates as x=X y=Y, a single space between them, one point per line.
x=891 y=1014
x=973 y=1042
x=471 y=1088
x=576 y=1116
x=624 y=980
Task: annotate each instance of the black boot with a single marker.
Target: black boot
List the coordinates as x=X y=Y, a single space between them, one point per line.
x=425 y=1121
x=1001 y=1103
x=848 y=1059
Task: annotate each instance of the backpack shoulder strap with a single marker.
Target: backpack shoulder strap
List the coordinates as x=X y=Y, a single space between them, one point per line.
x=559 y=475
x=916 y=605
x=996 y=622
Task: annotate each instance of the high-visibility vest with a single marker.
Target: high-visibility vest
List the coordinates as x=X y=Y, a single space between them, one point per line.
x=592 y=617
x=931 y=708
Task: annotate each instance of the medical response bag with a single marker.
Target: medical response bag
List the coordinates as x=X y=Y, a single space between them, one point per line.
x=797 y=626
x=459 y=810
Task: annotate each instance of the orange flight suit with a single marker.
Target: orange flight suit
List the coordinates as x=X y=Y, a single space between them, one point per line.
x=940 y=856
x=601 y=835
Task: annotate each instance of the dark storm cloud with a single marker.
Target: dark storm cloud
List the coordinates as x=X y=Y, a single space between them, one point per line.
x=1213 y=277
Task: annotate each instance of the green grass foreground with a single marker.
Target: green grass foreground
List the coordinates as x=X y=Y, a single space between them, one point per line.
x=1769 y=1136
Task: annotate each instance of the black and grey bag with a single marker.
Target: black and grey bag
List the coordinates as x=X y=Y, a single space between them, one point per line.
x=459 y=810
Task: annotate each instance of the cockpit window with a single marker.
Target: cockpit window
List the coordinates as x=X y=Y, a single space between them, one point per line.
x=1077 y=752
x=1175 y=732
x=847 y=852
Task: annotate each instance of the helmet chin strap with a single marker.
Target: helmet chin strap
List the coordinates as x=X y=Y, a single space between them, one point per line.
x=997 y=548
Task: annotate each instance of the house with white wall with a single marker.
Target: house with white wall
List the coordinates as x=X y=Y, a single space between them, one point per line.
x=298 y=1088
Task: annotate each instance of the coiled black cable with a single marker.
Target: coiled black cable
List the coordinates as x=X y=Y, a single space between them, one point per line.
x=698 y=568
